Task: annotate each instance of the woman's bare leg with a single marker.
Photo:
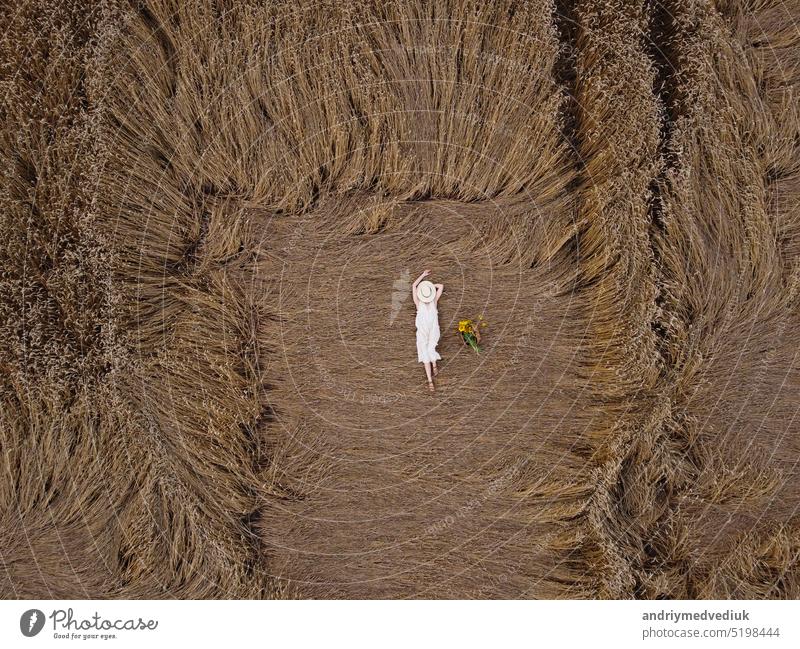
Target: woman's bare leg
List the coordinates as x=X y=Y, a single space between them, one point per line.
x=428 y=374
x=435 y=369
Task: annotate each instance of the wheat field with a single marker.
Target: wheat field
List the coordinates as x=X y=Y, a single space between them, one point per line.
x=210 y=215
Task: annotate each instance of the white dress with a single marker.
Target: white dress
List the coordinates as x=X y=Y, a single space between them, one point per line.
x=427 y=332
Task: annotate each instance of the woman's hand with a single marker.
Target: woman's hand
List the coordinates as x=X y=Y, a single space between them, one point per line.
x=424 y=274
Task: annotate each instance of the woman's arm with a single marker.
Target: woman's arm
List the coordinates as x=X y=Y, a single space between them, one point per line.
x=422 y=276
x=439 y=290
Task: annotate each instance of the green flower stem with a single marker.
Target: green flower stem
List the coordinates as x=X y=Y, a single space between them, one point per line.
x=471 y=341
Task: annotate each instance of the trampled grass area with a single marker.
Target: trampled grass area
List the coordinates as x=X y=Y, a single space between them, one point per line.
x=211 y=213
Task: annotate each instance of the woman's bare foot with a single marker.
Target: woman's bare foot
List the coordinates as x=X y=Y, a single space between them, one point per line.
x=431 y=389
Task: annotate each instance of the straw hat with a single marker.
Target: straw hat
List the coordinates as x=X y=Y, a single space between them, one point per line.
x=426 y=291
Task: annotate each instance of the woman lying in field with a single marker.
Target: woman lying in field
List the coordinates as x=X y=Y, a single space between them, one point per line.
x=426 y=297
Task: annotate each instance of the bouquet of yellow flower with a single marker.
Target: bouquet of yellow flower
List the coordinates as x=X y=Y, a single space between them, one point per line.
x=470 y=332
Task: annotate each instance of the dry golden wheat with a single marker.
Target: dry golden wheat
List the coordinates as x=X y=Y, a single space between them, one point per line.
x=194 y=404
